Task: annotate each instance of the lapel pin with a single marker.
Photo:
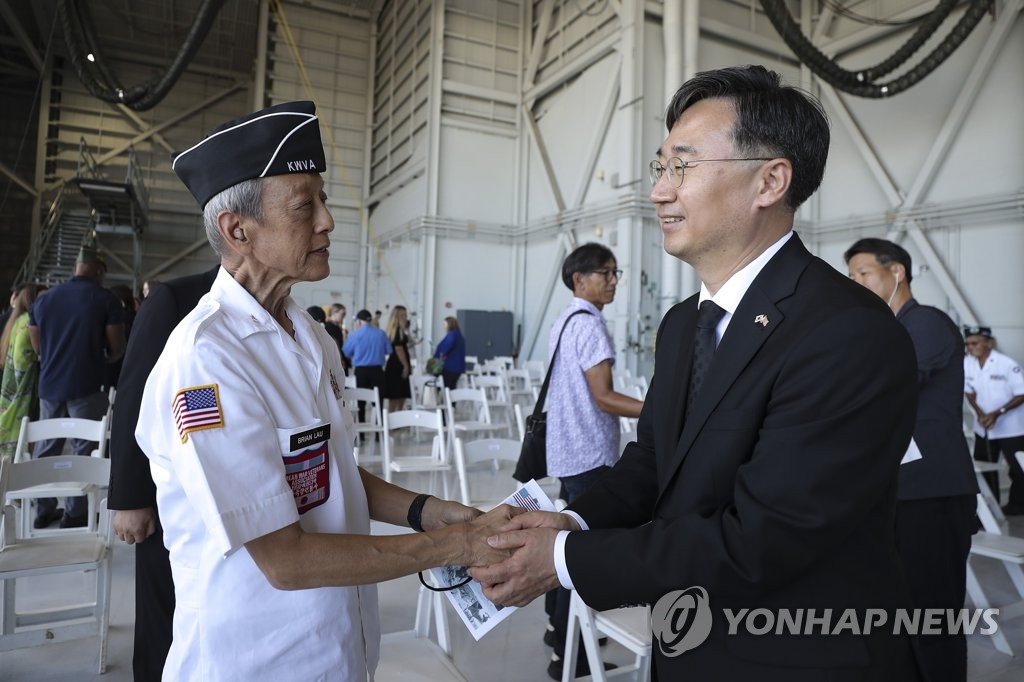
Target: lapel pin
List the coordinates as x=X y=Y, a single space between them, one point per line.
x=761 y=319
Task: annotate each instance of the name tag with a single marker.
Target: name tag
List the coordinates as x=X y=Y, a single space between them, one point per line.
x=310 y=437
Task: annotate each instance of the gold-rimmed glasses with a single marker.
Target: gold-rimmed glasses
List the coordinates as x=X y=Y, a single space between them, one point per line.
x=676 y=168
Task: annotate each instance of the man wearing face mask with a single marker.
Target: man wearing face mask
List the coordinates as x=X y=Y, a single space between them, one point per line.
x=935 y=515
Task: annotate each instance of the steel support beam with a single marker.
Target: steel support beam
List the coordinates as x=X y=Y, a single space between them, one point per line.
x=181 y=255
x=9 y=172
x=604 y=121
x=539 y=41
x=170 y=123
x=144 y=127
x=19 y=33
x=574 y=68
x=542 y=150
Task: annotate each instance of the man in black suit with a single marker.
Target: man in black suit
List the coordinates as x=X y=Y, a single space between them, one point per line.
x=132 y=491
x=935 y=513
x=776 y=488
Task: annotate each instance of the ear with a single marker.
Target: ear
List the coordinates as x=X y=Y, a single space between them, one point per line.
x=774 y=181
x=577 y=281
x=233 y=233
x=898 y=270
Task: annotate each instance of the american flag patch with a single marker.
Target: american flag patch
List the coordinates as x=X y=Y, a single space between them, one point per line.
x=197 y=408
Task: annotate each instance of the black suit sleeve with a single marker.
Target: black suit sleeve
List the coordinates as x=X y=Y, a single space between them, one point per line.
x=131 y=485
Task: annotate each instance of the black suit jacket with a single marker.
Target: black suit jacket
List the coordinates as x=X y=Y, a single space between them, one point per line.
x=945 y=468
x=778 y=491
x=131 y=484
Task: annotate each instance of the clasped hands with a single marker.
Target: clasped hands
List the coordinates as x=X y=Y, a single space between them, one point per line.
x=527 y=570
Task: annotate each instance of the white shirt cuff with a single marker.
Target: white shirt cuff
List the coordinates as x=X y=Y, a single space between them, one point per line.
x=579 y=519
x=560 y=567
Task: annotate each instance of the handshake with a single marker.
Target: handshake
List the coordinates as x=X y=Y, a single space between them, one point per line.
x=510 y=551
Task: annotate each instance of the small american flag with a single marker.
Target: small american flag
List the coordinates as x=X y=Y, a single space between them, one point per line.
x=197 y=408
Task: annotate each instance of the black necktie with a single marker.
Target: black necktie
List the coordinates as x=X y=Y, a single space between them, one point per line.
x=708 y=317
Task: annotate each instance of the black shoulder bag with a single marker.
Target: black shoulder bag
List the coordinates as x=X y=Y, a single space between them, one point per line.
x=533 y=456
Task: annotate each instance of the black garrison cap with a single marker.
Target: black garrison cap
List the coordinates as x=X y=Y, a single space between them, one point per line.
x=281 y=139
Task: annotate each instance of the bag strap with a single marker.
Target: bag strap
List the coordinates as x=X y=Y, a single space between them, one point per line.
x=539 y=407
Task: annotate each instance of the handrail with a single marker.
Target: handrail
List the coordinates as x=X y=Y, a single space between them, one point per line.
x=49 y=227
x=86 y=159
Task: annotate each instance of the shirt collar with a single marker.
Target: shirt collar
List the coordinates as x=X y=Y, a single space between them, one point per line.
x=729 y=296
x=246 y=313
x=584 y=304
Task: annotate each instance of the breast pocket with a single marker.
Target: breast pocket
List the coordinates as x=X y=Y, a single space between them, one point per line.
x=307 y=463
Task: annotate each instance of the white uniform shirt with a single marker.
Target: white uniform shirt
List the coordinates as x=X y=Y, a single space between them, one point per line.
x=993 y=386
x=250 y=454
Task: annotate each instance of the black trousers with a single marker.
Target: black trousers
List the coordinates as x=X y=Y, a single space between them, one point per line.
x=368 y=376
x=572 y=487
x=988 y=449
x=154 y=607
x=933 y=538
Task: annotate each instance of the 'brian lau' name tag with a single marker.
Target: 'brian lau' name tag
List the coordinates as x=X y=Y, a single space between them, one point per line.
x=305 y=439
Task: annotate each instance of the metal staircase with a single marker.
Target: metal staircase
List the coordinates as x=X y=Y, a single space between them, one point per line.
x=117 y=209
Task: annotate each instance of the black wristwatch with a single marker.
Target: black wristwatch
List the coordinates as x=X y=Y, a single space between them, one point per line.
x=415 y=515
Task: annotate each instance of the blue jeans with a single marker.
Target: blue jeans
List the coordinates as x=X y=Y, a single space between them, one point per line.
x=90 y=407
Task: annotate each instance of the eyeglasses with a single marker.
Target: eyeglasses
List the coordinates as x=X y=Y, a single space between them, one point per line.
x=676 y=167
x=609 y=274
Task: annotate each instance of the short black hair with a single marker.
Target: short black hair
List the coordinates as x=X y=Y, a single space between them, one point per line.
x=771 y=120
x=317 y=313
x=587 y=258
x=884 y=251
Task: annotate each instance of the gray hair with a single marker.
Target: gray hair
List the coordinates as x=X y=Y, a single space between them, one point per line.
x=245 y=199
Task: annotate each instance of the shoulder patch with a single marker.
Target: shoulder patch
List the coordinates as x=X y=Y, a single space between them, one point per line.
x=197 y=408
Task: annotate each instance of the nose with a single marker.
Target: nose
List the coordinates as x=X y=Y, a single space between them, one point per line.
x=662 y=191
x=325 y=221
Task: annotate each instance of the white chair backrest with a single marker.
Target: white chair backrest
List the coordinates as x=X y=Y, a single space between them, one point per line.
x=518 y=379
x=350 y=380
x=536 y=369
x=419 y=385
x=495 y=386
x=64 y=427
x=61 y=469
x=520 y=421
x=352 y=397
x=477 y=397
x=489 y=450
x=418 y=419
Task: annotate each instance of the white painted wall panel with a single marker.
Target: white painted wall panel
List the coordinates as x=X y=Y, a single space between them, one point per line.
x=478 y=175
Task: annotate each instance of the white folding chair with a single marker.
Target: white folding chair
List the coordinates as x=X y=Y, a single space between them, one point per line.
x=536 y=370
x=435 y=463
x=468 y=413
x=630 y=627
x=367 y=432
x=492 y=461
x=423 y=389
x=350 y=381
x=520 y=422
x=497 y=396
x=992 y=543
x=61 y=427
x=410 y=655
x=47 y=429
x=84 y=550
x=520 y=387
